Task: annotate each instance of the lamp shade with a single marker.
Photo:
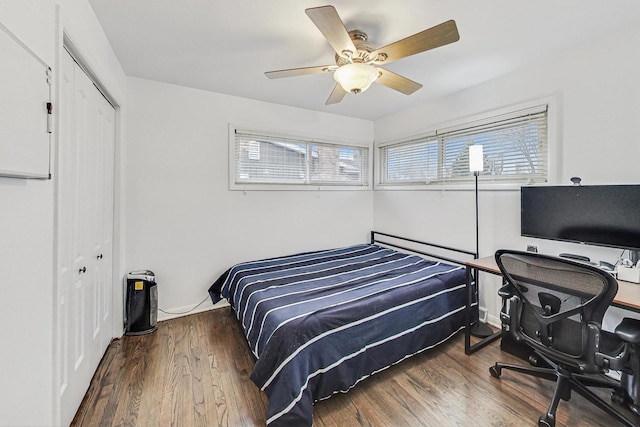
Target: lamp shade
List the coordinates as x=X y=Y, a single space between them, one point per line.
x=355 y=77
x=476 y=158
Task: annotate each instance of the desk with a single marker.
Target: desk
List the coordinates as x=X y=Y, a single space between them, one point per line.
x=628 y=297
x=487 y=265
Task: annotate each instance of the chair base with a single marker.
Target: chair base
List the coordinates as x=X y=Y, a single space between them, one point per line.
x=566 y=382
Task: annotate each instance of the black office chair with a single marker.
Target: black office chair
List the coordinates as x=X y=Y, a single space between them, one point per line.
x=556 y=307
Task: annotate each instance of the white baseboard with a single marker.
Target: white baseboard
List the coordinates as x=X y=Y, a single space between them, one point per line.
x=175 y=312
x=491 y=319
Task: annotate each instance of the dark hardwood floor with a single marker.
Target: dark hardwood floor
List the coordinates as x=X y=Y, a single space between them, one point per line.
x=194 y=371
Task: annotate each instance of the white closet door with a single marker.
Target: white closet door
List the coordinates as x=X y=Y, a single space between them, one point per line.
x=103 y=215
x=84 y=205
x=65 y=175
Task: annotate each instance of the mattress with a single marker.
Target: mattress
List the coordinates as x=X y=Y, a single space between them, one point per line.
x=320 y=322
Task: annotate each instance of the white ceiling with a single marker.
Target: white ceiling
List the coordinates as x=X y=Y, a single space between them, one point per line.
x=226 y=46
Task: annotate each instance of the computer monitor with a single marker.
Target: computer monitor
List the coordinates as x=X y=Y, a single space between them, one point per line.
x=601 y=215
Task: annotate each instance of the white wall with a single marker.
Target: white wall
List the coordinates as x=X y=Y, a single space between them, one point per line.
x=26 y=258
x=27 y=285
x=185 y=224
x=597 y=95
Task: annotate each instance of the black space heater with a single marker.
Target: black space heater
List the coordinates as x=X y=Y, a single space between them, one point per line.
x=141 y=304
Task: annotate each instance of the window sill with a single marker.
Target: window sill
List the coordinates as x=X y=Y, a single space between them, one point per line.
x=297 y=187
x=482 y=186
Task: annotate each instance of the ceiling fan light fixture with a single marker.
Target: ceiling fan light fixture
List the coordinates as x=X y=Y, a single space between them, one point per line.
x=356 y=77
x=356 y=59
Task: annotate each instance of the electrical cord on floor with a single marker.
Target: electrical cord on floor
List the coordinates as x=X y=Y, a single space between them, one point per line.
x=185 y=312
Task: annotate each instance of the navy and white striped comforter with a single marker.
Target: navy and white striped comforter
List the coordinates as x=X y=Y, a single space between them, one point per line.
x=318 y=323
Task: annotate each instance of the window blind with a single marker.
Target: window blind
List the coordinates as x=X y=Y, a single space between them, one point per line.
x=412 y=162
x=515 y=149
x=267 y=159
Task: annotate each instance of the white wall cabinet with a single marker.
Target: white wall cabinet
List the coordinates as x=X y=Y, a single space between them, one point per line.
x=84 y=219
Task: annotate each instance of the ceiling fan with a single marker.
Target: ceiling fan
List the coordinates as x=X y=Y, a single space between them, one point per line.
x=357 y=61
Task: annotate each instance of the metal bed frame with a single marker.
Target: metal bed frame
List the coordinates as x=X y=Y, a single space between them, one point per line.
x=432 y=245
x=471 y=318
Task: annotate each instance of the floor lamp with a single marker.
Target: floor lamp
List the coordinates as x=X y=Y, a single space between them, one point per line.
x=476 y=165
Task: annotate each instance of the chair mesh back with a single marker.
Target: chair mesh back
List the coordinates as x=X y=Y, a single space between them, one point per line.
x=559 y=299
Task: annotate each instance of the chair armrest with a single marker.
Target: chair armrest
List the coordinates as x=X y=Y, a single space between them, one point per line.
x=506 y=291
x=629 y=330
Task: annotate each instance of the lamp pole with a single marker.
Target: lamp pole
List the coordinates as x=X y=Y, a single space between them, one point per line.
x=476 y=164
x=476 y=173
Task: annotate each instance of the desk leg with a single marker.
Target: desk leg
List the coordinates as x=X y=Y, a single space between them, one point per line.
x=467 y=317
x=468 y=347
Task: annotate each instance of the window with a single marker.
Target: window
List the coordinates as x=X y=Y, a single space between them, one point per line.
x=514 y=150
x=267 y=159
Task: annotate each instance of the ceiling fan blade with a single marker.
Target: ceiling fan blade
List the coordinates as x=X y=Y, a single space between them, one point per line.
x=336 y=95
x=331 y=26
x=397 y=82
x=291 y=72
x=434 y=37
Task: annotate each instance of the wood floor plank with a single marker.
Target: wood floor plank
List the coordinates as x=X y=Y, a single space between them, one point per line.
x=195 y=371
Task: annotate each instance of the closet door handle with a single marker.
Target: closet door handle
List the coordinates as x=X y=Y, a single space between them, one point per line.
x=99 y=256
x=82 y=270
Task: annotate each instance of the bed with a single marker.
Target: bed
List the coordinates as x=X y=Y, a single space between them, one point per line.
x=320 y=322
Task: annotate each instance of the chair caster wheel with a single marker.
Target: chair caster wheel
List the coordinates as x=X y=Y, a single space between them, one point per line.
x=617 y=397
x=546 y=422
x=495 y=371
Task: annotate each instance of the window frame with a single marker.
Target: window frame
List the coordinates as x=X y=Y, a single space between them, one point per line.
x=306 y=138
x=487 y=182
